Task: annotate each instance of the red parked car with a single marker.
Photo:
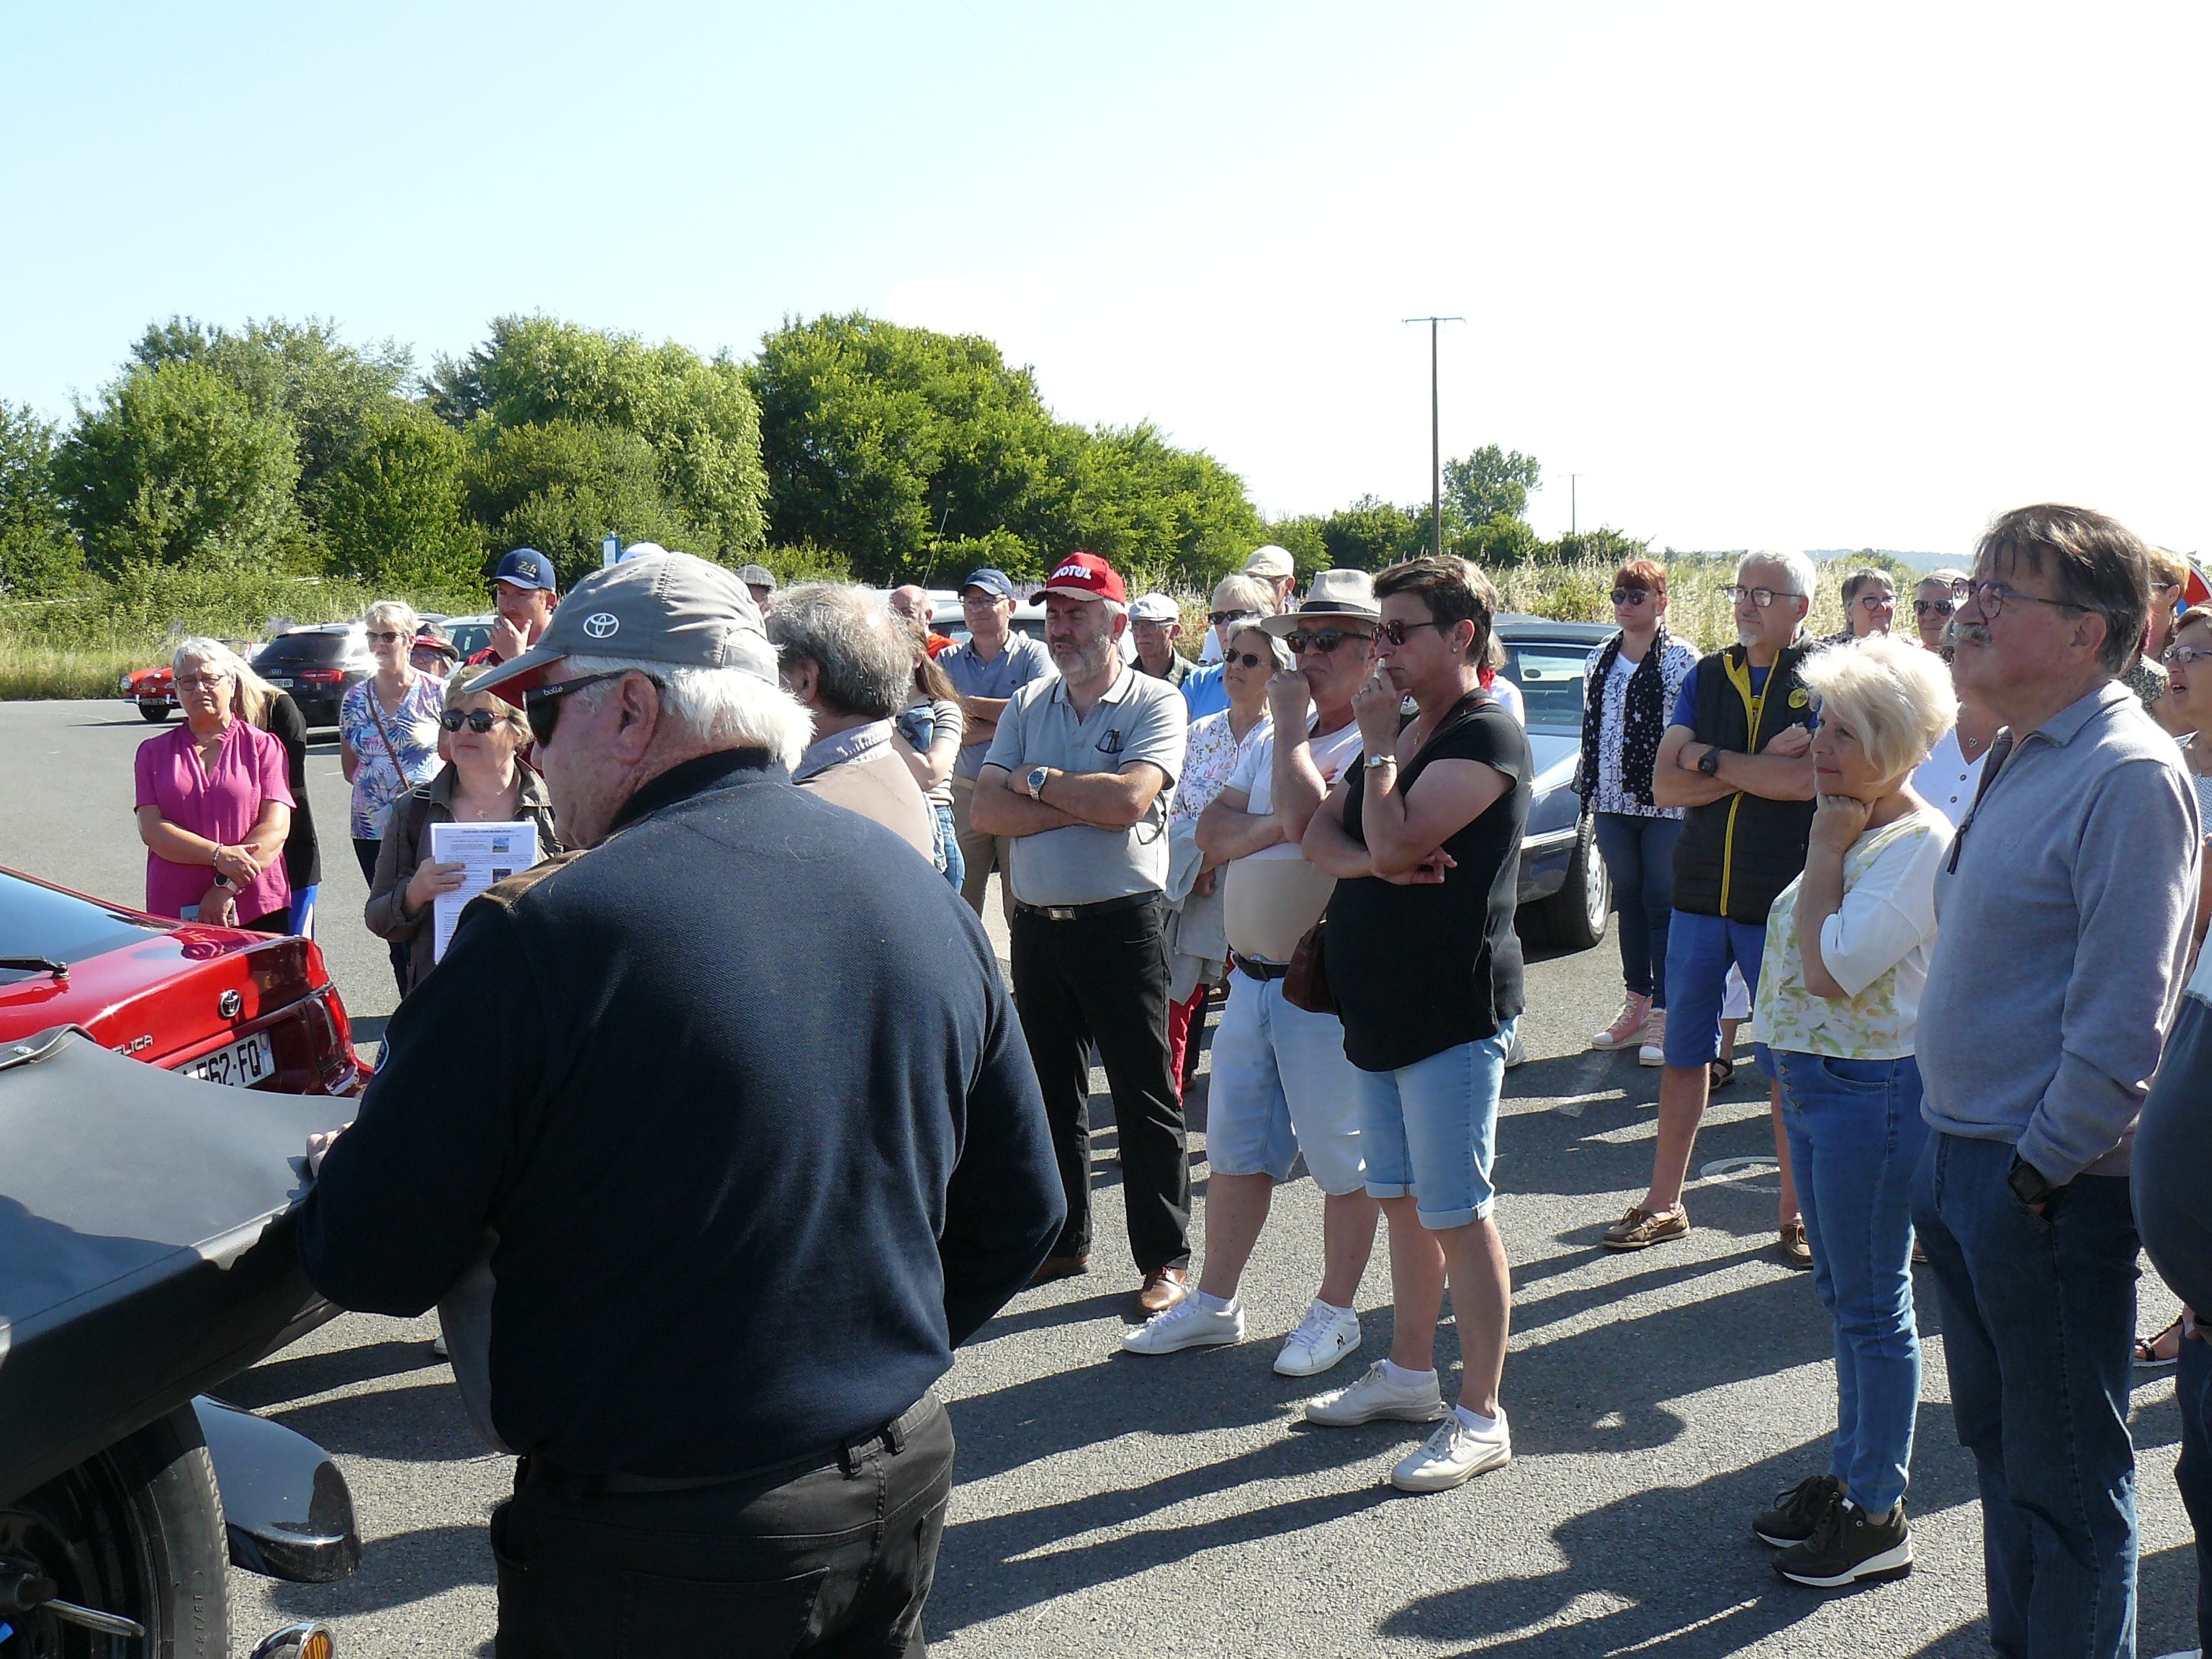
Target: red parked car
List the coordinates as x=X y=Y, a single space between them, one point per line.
x=154 y=689
x=213 y=1003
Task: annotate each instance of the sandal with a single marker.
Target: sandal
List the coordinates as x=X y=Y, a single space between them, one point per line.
x=2148 y=1354
x=1719 y=1073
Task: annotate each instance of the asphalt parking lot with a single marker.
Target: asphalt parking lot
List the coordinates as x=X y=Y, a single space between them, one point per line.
x=1110 y=1504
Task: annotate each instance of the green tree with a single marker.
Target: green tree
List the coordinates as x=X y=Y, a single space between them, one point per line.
x=1372 y=533
x=563 y=486
x=396 y=510
x=1492 y=484
x=1302 y=538
x=37 y=555
x=173 y=467
x=696 y=415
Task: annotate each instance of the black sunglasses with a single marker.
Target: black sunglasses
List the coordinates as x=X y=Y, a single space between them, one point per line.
x=1396 y=631
x=1248 y=659
x=1933 y=607
x=541 y=705
x=375 y=638
x=478 y=721
x=1630 y=595
x=1324 y=640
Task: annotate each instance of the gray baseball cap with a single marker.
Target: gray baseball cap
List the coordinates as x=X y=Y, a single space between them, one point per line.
x=665 y=608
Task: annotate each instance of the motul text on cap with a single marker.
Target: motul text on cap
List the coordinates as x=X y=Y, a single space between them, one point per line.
x=1087 y=576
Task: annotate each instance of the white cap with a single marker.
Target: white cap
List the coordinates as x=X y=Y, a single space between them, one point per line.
x=638 y=550
x=1270 y=563
x=1155 y=607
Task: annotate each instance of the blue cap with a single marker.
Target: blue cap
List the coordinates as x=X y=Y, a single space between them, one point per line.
x=527 y=567
x=991 y=581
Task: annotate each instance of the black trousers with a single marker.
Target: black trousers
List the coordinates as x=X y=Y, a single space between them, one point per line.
x=366 y=852
x=833 y=1559
x=1103 y=978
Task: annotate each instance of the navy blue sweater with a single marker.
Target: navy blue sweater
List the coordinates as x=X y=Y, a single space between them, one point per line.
x=741 y=1104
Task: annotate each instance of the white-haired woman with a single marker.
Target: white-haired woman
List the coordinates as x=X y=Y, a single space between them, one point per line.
x=214 y=804
x=388 y=734
x=259 y=703
x=482 y=781
x=1847 y=950
x=1236 y=601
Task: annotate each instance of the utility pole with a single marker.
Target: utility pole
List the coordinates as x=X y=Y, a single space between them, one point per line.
x=1435 y=439
x=1573 y=478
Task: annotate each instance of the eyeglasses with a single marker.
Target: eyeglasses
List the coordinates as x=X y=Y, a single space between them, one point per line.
x=1325 y=639
x=1763 y=597
x=1877 y=601
x=375 y=638
x=2180 y=656
x=193 y=682
x=478 y=721
x=1630 y=595
x=1216 y=618
x=1248 y=659
x=978 y=601
x=1396 y=631
x=1991 y=598
x=541 y=705
x=1933 y=607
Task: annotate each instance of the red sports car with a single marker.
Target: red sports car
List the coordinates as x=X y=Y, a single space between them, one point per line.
x=213 y=1003
x=154 y=689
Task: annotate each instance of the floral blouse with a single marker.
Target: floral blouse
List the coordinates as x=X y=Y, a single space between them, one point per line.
x=1209 y=756
x=382 y=777
x=1611 y=795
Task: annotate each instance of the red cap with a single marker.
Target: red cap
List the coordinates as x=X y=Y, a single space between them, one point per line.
x=1087 y=576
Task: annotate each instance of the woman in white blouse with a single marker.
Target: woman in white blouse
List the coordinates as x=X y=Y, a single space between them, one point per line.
x=1847 y=950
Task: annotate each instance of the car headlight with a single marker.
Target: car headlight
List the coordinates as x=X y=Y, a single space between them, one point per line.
x=126 y=683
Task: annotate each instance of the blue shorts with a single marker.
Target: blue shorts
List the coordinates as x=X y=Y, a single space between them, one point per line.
x=1281 y=1085
x=1699 y=949
x=1429 y=1130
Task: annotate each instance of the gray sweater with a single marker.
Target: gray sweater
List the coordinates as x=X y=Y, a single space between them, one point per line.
x=2061 y=939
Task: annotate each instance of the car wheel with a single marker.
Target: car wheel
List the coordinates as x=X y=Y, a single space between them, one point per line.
x=136 y=1531
x=1574 y=915
x=157 y=712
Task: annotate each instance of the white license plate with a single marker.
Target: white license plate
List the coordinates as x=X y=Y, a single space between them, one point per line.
x=240 y=1066
x=280 y=682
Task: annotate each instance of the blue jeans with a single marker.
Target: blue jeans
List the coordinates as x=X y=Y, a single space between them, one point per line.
x=948 y=848
x=1429 y=1131
x=2038 y=1334
x=1639 y=856
x=2192 y=1391
x=1856 y=1135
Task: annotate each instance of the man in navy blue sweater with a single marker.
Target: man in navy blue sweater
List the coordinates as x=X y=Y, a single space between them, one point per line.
x=712 y=1141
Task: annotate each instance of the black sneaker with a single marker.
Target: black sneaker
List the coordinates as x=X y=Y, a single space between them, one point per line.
x=1851 y=1547
x=1798 y=1513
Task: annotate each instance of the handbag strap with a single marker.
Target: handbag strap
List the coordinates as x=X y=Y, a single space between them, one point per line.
x=376 y=714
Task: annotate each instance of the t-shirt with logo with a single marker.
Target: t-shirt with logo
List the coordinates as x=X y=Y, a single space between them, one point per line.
x=1271 y=897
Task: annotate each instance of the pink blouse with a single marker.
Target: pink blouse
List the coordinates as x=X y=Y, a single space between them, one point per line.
x=221 y=802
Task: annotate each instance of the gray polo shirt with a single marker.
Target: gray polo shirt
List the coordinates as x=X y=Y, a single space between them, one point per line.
x=2062 y=935
x=1138 y=719
x=1023 y=661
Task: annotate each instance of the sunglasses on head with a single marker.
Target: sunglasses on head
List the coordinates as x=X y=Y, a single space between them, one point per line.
x=541 y=705
x=478 y=721
x=1324 y=640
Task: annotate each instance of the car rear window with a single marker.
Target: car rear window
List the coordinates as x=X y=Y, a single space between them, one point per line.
x=1550 y=677
x=39 y=921
x=301 y=650
x=469 y=638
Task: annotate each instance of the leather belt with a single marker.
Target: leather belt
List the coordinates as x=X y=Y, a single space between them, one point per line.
x=536 y=1469
x=1077 y=912
x=1262 y=971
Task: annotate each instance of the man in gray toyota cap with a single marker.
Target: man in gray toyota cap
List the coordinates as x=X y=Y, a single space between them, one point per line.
x=703 y=1237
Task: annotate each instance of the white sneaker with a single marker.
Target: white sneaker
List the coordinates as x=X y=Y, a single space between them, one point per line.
x=1516 y=1052
x=1453 y=1456
x=1186 y=1325
x=1322 y=1338
x=438 y=1346
x=1653 y=1049
x=1374 y=1396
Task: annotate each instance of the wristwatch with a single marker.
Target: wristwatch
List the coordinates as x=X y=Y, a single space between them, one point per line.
x=2029 y=1184
x=1036 y=782
x=1710 y=762
x=1380 y=758
x=223 y=881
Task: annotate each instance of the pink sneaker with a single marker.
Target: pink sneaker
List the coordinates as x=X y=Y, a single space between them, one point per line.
x=1627 y=1027
x=1653 y=1051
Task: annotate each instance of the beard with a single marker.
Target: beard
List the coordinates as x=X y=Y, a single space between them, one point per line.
x=1083 y=662
x=1747 y=637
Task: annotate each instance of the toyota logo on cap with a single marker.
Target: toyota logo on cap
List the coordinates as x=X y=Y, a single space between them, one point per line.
x=602 y=625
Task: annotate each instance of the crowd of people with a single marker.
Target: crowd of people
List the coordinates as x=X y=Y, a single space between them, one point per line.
x=1951 y=872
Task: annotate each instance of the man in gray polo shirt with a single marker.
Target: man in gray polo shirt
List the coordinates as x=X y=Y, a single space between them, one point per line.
x=993 y=663
x=1078 y=777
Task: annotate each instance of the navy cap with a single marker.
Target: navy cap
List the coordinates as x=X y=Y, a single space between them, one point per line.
x=527 y=567
x=991 y=581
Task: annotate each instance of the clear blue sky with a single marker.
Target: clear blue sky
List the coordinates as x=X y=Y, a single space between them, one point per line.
x=1767 y=275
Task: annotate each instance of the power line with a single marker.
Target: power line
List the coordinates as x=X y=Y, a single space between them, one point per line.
x=1435 y=439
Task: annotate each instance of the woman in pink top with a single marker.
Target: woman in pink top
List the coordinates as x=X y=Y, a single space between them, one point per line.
x=214 y=804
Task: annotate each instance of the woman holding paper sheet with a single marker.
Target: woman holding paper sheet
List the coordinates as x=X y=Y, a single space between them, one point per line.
x=484 y=781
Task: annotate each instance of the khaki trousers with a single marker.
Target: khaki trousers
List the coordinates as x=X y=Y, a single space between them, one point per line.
x=982 y=854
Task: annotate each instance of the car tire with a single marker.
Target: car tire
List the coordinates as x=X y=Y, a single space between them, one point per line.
x=1574 y=915
x=155 y=712
x=137 y=1530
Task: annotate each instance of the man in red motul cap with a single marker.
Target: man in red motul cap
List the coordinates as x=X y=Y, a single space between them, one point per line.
x=1078 y=777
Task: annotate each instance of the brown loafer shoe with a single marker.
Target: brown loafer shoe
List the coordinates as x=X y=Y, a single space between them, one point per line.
x=1639 y=1230
x=1796 y=1248
x=1163 y=1288
x=1059 y=1267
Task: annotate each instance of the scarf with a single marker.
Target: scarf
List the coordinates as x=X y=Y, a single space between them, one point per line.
x=1645 y=723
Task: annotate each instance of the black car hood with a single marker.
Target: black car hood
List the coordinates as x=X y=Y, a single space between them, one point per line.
x=146 y=1246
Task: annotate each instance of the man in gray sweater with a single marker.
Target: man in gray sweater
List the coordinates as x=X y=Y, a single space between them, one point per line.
x=2063 y=938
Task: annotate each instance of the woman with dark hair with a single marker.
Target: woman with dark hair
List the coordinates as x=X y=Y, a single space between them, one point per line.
x=1628 y=685
x=1869 y=606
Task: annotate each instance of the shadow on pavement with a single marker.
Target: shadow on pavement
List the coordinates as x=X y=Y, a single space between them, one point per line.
x=420 y=1424
x=278 y=1382
x=408 y=1567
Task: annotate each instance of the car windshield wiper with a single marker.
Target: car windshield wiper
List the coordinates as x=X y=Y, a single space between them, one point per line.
x=37 y=965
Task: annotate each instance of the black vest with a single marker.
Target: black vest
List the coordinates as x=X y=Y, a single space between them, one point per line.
x=1738 y=853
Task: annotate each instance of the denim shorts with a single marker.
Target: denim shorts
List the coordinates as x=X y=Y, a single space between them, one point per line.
x=1429 y=1130
x=1281 y=1084
x=1699 y=950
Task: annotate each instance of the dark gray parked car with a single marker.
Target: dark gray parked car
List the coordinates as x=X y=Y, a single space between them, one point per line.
x=1563 y=880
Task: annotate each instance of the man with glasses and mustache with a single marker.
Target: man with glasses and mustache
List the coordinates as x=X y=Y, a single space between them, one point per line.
x=986 y=669
x=2063 y=919
x=1078 y=777
x=1281 y=1083
x=713 y=1140
x=1738 y=754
